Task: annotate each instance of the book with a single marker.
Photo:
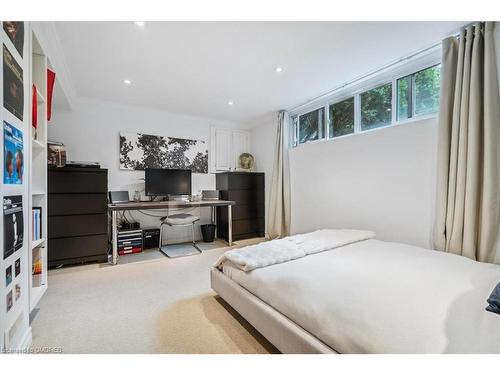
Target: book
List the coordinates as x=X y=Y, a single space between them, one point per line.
x=36 y=270
x=36 y=219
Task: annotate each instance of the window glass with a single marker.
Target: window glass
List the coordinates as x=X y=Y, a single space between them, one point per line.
x=415 y=94
x=376 y=107
x=427 y=86
x=311 y=126
x=342 y=118
x=404 y=98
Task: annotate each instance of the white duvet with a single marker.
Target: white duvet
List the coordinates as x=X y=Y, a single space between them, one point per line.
x=289 y=248
x=380 y=297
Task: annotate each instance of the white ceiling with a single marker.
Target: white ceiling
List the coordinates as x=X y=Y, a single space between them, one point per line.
x=197 y=67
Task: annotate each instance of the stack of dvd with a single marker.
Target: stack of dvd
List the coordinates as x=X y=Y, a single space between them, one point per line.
x=129 y=241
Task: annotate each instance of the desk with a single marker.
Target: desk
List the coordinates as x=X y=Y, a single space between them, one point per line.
x=131 y=206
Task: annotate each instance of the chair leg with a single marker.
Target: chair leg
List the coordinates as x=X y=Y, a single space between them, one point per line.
x=194 y=241
x=161 y=236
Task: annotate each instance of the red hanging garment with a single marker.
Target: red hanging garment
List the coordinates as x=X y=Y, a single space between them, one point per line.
x=34 y=108
x=51 y=79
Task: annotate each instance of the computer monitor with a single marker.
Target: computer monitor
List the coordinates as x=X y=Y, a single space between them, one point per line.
x=168 y=182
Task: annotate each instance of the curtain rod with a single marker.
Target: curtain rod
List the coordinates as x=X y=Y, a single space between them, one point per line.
x=374 y=72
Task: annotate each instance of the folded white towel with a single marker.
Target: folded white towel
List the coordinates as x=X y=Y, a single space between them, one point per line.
x=289 y=248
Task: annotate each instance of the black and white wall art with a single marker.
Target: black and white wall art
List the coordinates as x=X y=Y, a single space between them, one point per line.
x=141 y=151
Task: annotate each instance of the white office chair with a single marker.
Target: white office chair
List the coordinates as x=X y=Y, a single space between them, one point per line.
x=179 y=219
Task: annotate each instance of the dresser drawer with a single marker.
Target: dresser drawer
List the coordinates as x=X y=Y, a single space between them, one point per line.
x=244 y=197
x=246 y=211
x=82 y=225
x=243 y=181
x=252 y=227
x=247 y=226
x=80 y=181
x=76 y=247
x=77 y=204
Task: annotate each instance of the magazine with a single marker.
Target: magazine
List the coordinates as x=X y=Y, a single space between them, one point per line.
x=15 y=32
x=13 y=155
x=13 y=224
x=13 y=91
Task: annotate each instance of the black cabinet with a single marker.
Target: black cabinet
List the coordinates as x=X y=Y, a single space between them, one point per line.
x=77 y=215
x=247 y=190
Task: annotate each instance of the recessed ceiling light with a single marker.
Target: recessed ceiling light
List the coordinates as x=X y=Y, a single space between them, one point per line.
x=140 y=23
x=127 y=81
x=230 y=103
x=278 y=69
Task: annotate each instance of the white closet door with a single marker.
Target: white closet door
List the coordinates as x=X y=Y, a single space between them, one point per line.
x=241 y=144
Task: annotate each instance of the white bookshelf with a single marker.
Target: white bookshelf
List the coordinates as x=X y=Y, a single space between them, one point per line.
x=15 y=331
x=38 y=175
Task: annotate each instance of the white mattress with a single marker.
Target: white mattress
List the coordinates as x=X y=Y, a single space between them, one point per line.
x=381 y=297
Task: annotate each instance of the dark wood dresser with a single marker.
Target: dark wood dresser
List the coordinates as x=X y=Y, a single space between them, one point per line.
x=247 y=190
x=77 y=215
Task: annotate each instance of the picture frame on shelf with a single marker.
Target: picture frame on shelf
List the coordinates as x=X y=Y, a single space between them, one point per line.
x=18 y=291
x=17 y=267
x=8 y=275
x=9 y=300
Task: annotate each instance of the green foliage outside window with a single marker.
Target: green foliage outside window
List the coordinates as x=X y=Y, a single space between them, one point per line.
x=311 y=126
x=342 y=118
x=376 y=106
x=404 y=98
x=427 y=87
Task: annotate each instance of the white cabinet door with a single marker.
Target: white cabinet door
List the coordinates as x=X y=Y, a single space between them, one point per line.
x=241 y=144
x=222 y=141
x=226 y=146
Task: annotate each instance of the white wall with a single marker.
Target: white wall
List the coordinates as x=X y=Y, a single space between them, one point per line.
x=383 y=180
x=91 y=133
x=263 y=141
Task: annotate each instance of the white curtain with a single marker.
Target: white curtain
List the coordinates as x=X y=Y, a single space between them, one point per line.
x=278 y=224
x=467 y=213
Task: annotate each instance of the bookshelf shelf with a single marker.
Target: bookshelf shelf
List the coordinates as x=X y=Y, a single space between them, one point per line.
x=38 y=144
x=37 y=243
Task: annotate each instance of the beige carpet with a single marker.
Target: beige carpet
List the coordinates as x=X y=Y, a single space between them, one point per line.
x=146 y=304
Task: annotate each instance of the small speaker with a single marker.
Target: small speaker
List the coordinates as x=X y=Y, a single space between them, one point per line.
x=210 y=195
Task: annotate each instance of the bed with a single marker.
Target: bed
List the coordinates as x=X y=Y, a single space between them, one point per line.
x=362 y=296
